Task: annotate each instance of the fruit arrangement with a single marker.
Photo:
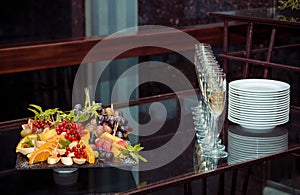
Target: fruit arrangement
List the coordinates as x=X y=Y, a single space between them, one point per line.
x=83 y=135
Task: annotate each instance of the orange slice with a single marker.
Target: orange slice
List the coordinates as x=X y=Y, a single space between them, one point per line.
x=89 y=151
x=39 y=155
x=50 y=145
x=47 y=134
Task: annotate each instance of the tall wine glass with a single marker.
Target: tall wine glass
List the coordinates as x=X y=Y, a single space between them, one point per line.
x=216 y=96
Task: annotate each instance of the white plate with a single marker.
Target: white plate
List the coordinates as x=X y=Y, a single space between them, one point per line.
x=261 y=126
x=261 y=120
x=257 y=126
x=251 y=146
x=254 y=111
x=258 y=94
x=260 y=107
x=242 y=133
x=259 y=85
x=260 y=148
x=260 y=123
x=257 y=115
x=259 y=99
x=245 y=152
x=252 y=143
x=257 y=140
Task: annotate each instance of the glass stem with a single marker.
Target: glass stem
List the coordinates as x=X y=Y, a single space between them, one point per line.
x=215 y=130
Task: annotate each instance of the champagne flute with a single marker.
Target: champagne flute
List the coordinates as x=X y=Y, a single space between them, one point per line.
x=216 y=96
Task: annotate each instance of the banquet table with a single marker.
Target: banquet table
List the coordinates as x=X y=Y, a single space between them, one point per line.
x=184 y=174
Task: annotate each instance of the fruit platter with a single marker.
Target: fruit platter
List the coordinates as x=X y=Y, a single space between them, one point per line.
x=87 y=136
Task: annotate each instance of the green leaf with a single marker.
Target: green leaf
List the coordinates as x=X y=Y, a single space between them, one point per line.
x=138 y=148
x=142 y=158
x=39 y=108
x=28 y=142
x=64 y=143
x=35 y=113
x=134 y=156
x=129 y=147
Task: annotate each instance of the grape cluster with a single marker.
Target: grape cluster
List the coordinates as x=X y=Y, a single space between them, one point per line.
x=107 y=156
x=112 y=118
x=70 y=129
x=39 y=125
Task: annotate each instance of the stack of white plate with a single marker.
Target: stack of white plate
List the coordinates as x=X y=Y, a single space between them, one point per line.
x=244 y=145
x=258 y=104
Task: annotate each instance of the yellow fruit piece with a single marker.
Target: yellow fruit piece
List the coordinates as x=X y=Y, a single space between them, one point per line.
x=115 y=148
x=47 y=134
x=31 y=136
x=108 y=136
x=39 y=155
x=79 y=161
x=51 y=144
x=89 y=151
x=43 y=152
x=87 y=136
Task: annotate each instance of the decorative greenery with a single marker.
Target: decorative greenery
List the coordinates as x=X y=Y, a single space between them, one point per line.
x=293 y=4
x=64 y=143
x=56 y=116
x=28 y=143
x=133 y=151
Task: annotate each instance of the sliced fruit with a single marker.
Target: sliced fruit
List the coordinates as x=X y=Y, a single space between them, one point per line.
x=26 y=131
x=122 y=143
x=66 y=160
x=30 y=123
x=72 y=144
x=39 y=155
x=51 y=144
x=108 y=136
x=89 y=151
x=39 y=143
x=115 y=148
x=79 y=161
x=25 y=126
x=47 y=134
x=24 y=139
x=51 y=160
x=60 y=151
x=26 y=151
x=87 y=136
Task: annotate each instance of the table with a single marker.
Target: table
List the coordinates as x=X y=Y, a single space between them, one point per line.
x=181 y=175
x=271 y=17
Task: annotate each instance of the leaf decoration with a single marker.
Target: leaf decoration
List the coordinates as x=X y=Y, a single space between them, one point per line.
x=133 y=151
x=64 y=143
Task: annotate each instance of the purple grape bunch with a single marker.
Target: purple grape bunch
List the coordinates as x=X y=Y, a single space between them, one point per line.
x=112 y=118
